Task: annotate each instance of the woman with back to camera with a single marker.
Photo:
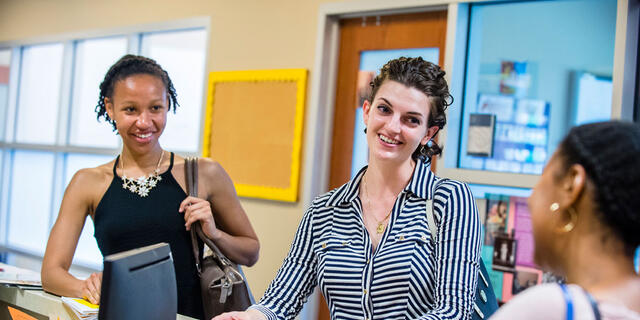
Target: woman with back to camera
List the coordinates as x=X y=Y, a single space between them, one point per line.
x=367 y=244
x=585 y=211
x=129 y=212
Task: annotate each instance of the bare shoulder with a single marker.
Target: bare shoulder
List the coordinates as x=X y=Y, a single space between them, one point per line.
x=91 y=181
x=211 y=169
x=539 y=302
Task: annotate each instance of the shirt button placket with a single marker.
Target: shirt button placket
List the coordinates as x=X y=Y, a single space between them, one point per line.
x=366 y=286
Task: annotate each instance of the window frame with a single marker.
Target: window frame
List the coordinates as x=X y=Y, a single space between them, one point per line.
x=62 y=147
x=320 y=112
x=455 y=64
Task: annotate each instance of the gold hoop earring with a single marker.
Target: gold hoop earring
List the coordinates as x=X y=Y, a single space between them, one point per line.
x=574 y=219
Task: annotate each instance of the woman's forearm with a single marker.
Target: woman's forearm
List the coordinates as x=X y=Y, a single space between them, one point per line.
x=241 y=250
x=59 y=281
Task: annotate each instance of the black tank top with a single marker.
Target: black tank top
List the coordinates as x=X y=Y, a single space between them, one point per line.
x=124 y=220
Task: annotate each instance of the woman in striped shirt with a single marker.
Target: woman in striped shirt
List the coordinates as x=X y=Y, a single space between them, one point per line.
x=367 y=244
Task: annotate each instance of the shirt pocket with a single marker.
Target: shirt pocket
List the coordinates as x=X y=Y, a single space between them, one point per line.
x=418 y=237
x=337 y=258
x=331 y=243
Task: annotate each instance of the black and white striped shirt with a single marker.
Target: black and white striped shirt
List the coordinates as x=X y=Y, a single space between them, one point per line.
x=408 y=276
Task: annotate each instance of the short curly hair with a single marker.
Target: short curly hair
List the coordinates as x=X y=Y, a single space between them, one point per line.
x=127 y=66
x=609 y=152
x=426 y=77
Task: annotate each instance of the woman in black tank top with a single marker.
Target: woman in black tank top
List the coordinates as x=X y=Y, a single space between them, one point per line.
x=139 y=198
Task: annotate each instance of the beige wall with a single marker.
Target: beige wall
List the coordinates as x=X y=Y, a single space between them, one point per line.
x=244 y=35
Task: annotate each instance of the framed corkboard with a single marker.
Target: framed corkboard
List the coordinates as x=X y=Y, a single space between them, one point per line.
x=253 y=127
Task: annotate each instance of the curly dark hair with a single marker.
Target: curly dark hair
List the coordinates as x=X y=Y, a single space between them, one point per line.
x=609 y=152
x=127 y=66
x=426 y=77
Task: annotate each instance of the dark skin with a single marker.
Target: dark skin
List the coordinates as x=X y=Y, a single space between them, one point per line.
x=139 y=107
x=590 y=254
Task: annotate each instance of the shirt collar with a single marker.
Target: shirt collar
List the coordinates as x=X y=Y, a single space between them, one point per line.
x=420 y=185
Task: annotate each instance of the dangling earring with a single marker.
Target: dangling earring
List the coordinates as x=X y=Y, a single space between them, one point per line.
x=574 y=219
x=554 y=207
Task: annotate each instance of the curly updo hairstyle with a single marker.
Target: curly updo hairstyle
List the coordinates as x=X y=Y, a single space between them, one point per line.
x=426 y=77
x=610 y=154
x=127 y=66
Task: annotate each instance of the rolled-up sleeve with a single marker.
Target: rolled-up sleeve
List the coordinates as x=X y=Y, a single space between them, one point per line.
x=295 y=279
x=457 y=253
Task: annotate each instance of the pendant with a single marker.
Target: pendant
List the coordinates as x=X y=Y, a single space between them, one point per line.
x=380 y=228
x=142 y=185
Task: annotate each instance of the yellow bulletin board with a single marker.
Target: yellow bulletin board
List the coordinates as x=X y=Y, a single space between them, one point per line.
x=253 y=128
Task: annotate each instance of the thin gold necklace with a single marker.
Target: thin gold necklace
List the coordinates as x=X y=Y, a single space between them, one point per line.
x=381 y=225
x=141 y=185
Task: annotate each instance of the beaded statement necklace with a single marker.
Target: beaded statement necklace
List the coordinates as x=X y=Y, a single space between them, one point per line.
x=381 y=223
x=141 y=185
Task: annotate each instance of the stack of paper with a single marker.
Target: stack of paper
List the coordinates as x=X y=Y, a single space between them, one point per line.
x=81 y=309
x=17 y=276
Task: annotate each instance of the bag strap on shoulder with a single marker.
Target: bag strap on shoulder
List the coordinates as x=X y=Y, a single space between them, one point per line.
x=430 y=215
x=191 y=179
x=568 y=300
x=485 y=292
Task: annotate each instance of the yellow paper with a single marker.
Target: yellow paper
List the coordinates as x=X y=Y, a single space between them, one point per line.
x=87 y=303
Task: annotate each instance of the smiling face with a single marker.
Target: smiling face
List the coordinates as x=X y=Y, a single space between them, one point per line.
x=139 y=107
x=396 y=122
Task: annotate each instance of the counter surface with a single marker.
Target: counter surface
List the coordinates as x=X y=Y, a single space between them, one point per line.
x=37 y=301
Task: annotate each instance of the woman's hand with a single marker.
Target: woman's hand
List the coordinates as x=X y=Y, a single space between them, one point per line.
x=246 y=315
x=196 y=209
x=91 y=288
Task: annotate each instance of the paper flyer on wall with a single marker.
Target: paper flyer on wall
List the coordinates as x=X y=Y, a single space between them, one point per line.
x=497 y=208
x=494 y=276
x=523 y=232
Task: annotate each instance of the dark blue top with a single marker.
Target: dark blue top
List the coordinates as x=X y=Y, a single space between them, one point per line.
x=124 y=220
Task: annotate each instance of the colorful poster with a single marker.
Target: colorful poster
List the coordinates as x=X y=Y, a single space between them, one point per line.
x=507 y=287
x=514 y=79
x=496 y=217
x=523 y=232
x=494 y=276
x=521 y=134
x=504 y=254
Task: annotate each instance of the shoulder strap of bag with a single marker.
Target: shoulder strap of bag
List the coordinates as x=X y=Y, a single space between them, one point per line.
x=594 y=304
x=430 y=219
x=191 y=180
x=568 y=301
x=484 y=297
x=191 y=177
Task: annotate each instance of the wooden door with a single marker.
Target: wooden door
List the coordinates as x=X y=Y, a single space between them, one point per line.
x=418 y=30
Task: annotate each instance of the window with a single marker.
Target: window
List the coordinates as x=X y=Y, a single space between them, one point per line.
x=533 y=70
x=39 y=95
x=93 y=57
x=185 y=65
x=48 y=127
